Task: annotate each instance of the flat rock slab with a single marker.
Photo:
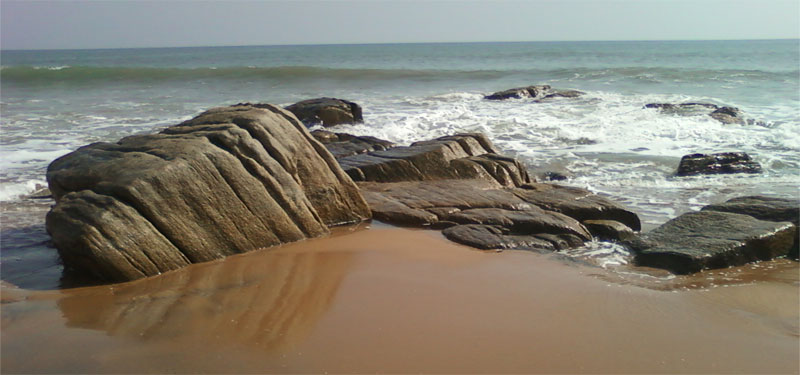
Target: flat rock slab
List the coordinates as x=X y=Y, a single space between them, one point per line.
x=760 y=207
x=513 y=217
x=764 y=208
x=709 y=239
x=231 y=180
x=343 y=144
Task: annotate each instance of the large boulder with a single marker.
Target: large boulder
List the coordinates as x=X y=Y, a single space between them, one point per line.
x=326 y=111
x=710 y=239
x=721 y=163
x=231 y=180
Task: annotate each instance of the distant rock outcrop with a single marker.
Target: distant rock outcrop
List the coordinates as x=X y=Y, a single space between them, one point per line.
x=537 y=92
x=725 y=115
x=231 y=180
x=326 y=111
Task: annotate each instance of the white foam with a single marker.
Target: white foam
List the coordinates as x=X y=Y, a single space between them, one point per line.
x=15 y=191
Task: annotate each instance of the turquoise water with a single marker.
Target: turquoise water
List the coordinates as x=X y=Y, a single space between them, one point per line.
x=55 y=101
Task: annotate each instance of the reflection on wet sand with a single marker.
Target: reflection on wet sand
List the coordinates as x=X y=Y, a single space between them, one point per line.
x=398 y=300
x=261 y=301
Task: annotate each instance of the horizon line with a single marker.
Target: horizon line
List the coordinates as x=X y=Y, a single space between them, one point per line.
x=392 y=43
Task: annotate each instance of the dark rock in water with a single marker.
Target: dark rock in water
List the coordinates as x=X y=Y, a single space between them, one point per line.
x=462 y=156
x=326 y=111
x=535 y=92
x=555 y=94
x=725 y=115
x=342 y=144
x=728 y=115
x=609 y=230
x=230 y=180
x=682 y=107
x=709 y=239
x=721 y=163
x=557 y=176
x=764 y=208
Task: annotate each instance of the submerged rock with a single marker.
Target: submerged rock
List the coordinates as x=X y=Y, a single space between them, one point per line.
x=231 y=180
x=710 y=239
x=326 y=111
x=725 y=115
x=728 y=115
x=721 y=163
x=535 y=92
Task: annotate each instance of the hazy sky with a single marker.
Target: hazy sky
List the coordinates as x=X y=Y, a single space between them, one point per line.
x=108 y=24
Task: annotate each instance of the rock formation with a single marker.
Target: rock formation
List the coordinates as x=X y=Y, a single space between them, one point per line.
x=231 y=180
x=482 y=199
x=326 y=111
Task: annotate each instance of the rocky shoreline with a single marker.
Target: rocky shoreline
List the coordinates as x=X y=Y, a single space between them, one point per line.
x=249 y=176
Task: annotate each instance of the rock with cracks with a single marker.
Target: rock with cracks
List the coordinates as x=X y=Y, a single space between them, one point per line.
x=231 y=180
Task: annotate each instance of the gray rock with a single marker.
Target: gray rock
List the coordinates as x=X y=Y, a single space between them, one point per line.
x=326 y=111
x=231 y=180
x=764 y=208
x=721 y=163
x=725 y=115
x=709 y=239
x=557 y=94
x=728 y=115
x=534 y=92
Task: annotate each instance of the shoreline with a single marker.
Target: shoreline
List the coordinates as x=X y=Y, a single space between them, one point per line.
x=389 y=299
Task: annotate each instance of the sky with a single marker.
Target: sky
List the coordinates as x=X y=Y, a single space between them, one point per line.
x=124 y=24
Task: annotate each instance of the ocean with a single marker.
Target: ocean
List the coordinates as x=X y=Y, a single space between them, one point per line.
x=52 y=102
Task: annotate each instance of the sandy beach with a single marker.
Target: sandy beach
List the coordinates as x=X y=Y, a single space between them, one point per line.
x=382 y=299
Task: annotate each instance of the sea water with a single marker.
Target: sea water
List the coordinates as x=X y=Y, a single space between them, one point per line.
x=53 y=102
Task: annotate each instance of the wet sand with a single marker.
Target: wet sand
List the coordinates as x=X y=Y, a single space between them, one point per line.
x=399 y=300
